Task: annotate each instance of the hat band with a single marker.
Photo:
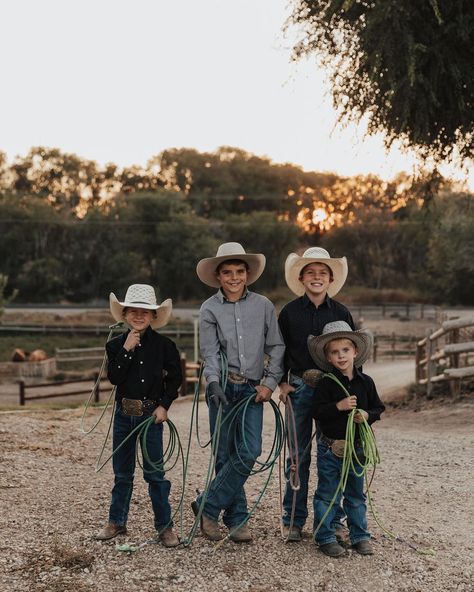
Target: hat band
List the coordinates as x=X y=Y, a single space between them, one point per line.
x=140 y=302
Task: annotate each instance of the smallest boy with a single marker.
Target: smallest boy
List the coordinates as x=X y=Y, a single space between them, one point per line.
x=342 y=352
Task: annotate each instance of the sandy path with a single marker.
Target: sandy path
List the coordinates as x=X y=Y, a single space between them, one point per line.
x=53 y=502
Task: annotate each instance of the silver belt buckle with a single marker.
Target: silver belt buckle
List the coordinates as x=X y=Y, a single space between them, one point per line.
x=235 y=378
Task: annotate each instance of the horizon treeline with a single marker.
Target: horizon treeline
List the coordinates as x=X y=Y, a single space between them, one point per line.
x=73 y=231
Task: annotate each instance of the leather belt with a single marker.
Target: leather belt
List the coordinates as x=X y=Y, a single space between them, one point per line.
x=138 y=407
x=236 y=378
x=330 y=441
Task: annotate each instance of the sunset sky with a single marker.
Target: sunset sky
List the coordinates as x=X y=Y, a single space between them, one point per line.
x=114 y=80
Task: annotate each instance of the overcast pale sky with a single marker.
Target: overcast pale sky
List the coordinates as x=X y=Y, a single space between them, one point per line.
x=121 y=80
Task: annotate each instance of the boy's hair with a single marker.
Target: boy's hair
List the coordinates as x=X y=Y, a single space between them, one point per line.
x=125 y=308
x=326 y=346
x=232 y=262
x=327 y=266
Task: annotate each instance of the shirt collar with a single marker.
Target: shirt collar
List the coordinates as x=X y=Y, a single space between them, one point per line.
x=341 y=376
x=307 y=302
x=222 y=297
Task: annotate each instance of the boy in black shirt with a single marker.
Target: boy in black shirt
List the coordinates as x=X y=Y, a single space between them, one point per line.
x=341 y=351
x=146 y=369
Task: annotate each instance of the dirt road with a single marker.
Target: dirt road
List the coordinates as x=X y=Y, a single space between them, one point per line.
x=53 y=503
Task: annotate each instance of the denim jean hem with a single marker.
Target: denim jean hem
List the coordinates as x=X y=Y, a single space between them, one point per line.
x=325 y=541
x=286 y=522
x=359 y=539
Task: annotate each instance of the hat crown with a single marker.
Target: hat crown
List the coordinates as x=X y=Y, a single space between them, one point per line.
x=316 y=253
x=141 y=294
x=231 y=249
x=336 y=326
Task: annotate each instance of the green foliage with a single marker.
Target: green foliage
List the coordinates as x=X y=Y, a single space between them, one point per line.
x=4 y=300
x=408 y=66
x=395 y=234
x=451 y=250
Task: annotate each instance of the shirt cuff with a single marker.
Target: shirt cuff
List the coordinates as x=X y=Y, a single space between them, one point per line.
x=271 y=383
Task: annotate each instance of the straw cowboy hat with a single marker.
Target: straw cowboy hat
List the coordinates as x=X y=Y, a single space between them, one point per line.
x=206 y=268
x=142 y=296
x=362 y=339
x=294 y=264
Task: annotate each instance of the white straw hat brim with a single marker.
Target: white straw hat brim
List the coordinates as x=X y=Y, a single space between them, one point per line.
x=163 y=310
x=206 y=268
x=362 y=339
x=294 y=264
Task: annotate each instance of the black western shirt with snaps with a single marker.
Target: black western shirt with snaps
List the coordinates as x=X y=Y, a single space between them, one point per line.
x=300 y=318
x=332 y=421
x=151 y=371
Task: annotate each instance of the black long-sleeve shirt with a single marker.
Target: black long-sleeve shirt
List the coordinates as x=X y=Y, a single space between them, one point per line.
x=151 y=371
x=300 y=318
x=332 y=421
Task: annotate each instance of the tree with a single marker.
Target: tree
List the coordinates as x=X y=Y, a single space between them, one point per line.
x=408 y=66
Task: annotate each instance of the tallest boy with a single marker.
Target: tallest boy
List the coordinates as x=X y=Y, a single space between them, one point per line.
x=315 y=277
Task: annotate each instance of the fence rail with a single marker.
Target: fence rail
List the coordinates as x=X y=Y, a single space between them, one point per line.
x=49 y=390
x=445 y=355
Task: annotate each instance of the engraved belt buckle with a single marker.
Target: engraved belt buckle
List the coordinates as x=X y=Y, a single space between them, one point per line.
x=311 y=377
x=337 y=448
x=133 y=407
x=236 y=378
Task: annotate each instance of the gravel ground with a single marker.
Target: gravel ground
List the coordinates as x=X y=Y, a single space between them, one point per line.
x=55 y=503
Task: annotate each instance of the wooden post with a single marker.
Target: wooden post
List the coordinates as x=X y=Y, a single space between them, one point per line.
x=394 y=342
x=184 y=382
x=417 y=363
x=430 y=371
x=22 y=391
x=374 y=354
x=196 y=339
x=97 y=390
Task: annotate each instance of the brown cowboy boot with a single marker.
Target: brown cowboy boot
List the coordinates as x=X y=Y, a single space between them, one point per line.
x=242 y=535
x=209 y=527
x=110 y=531
x=168 y=538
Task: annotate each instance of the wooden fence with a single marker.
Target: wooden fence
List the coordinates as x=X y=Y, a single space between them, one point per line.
x=393 y=346
x=48 y=390
x=445 y=355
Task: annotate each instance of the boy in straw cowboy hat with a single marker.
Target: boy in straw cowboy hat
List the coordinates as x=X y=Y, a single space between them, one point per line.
x=240 y=326
x=342 y=352
x=315 y=277
x=146 y=369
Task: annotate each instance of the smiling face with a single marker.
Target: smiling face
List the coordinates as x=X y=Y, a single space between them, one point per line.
x=232 y=278
x=341 y=354
x=316 y=278
x=138 y=318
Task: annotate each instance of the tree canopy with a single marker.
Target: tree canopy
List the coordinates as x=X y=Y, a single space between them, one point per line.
x=407 y=66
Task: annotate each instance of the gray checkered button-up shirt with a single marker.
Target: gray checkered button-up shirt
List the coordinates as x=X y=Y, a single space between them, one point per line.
x=245 y=331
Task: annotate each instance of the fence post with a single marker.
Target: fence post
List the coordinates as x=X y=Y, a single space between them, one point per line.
x=430 y=371
x=394 y=341
x=184 y=382
x=374 y=354
x=417 y=363
x=97 y=390
x=22 y=391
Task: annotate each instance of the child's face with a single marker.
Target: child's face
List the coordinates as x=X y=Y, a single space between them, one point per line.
x=232 y=277
x=341 y=354
x=316 y=278
x=138 y=318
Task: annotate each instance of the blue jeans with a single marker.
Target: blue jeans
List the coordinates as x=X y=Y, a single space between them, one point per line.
x=354 y=503
x=302 y=400
x=124 y=469
x=234 y=459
